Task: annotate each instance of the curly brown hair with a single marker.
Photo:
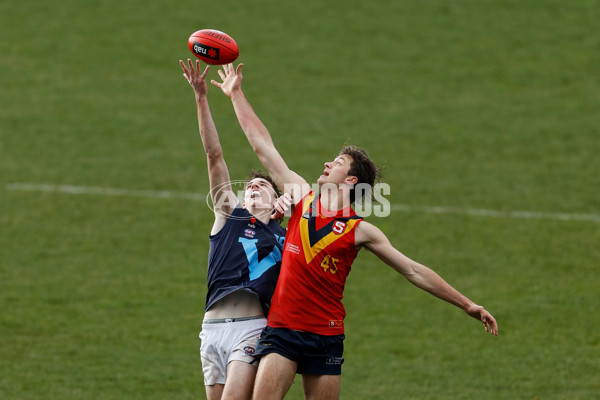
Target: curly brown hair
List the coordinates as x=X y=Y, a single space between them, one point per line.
x=363 y=168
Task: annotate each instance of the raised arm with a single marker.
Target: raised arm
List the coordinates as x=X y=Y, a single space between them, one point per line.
x=259 y=136
x=223 y=198
x=374 y=239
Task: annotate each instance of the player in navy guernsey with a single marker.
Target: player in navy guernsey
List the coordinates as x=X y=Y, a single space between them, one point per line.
x=243 y=264
x=244 y=255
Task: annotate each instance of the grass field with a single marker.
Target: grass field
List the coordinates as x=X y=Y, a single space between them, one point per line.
x=485 y=114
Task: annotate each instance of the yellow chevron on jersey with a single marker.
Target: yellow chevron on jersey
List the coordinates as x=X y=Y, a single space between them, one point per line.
x=313 y=240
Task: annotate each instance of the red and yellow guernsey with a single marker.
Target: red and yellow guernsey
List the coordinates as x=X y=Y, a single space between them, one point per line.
x=317 y=257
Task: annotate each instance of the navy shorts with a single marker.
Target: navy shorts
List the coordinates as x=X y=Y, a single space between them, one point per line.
x=315 y=354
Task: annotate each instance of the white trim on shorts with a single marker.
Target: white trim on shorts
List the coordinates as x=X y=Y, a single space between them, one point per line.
x=226 y=340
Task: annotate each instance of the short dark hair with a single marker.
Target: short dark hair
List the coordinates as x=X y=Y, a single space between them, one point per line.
x=253 y=174
x=363 y=168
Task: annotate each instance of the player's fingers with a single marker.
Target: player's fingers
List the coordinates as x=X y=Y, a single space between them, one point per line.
x=221 y=74
x=185 y=70
x=490 y=324
x=217 y=84
x=493 y=325
x=205 y=71
x=287 y=198
x=191 y=65
x=239 y=69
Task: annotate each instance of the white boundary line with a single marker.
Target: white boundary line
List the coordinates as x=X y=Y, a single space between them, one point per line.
x=105 y=191
x=478 y=212
x=164 y=194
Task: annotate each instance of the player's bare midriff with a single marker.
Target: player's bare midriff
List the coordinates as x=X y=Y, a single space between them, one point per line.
x=236 y=305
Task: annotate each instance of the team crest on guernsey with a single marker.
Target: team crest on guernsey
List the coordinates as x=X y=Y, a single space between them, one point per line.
x=315 y=238
x=249 y=233
x=338 y=227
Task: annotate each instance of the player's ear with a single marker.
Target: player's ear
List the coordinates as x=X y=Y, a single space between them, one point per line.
x=353 y=180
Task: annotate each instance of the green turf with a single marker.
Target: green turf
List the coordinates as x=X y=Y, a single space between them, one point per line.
x=469 y=104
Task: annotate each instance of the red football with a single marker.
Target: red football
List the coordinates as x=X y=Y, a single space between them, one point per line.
x=213 y=47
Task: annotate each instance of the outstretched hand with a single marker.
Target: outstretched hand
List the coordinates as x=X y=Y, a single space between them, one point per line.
x=232 y=79
x=282 y=206
x=195 y=78
x=481 y=314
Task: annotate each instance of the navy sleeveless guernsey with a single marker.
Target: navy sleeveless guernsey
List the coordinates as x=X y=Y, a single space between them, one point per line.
x=244 y=255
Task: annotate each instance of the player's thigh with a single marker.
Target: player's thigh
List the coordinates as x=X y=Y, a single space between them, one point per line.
x=321 y=387
x=275 y=376
x=214 y=392
x=240 y=380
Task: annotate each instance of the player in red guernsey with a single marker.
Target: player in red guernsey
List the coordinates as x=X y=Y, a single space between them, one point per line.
x=318 y=255
x=304 y=333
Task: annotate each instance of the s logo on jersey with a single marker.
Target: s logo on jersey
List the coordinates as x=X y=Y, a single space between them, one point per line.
x=338 y=227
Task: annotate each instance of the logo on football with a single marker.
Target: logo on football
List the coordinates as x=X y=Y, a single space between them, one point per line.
x=206 y=51
x=213 y=46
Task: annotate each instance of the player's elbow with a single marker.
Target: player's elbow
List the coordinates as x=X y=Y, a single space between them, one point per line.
x=214 y=153
x=258 y=147
x=414 y=273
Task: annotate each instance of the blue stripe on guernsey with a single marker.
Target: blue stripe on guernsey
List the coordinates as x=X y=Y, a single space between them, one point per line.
x=244 y=255
x=257 y=268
